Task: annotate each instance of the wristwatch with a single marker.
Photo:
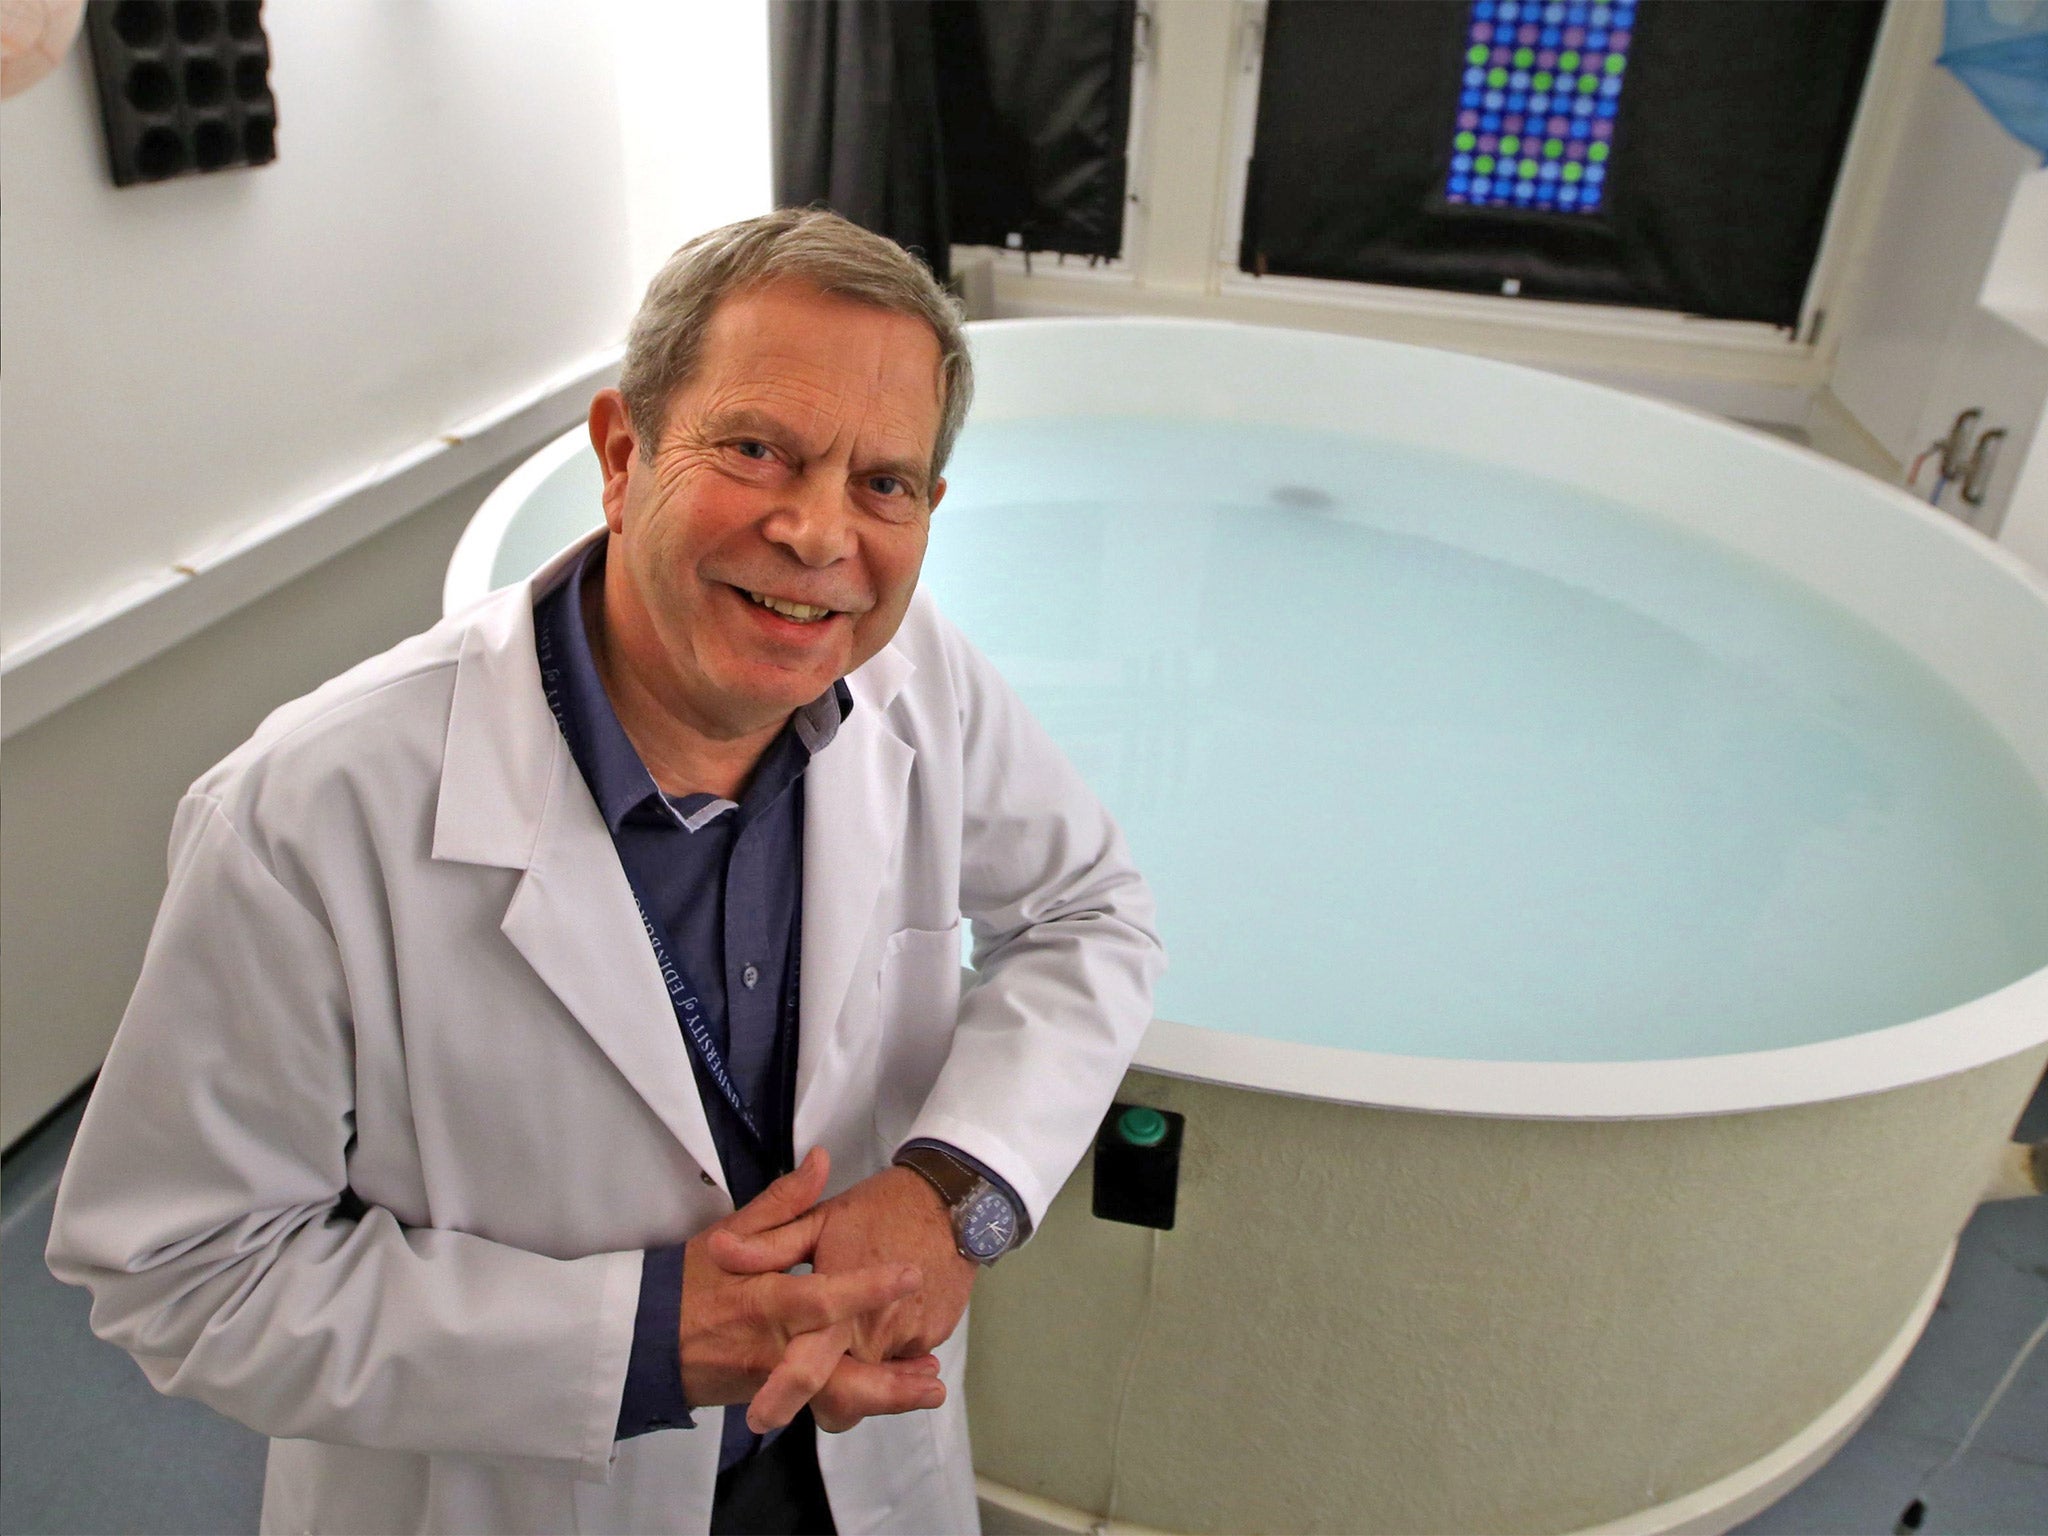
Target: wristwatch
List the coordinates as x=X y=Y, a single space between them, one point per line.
x=985 y=1224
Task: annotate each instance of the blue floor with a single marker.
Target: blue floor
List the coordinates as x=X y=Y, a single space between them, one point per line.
x=86 y=1446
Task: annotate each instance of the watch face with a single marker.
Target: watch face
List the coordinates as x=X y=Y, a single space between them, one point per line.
x=988 y=1226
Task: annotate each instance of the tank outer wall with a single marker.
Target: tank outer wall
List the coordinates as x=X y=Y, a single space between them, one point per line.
x=1374 y=1320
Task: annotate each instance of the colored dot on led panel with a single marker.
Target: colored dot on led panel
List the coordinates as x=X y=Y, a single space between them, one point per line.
x=1547 y=74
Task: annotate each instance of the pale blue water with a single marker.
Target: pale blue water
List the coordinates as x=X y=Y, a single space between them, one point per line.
x=1427 y=758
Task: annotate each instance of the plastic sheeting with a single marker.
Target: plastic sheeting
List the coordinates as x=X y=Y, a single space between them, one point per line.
x=1999 y=49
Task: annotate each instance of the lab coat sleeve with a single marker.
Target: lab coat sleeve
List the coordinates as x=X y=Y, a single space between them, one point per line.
x=1066 y=953
x=206 y=1206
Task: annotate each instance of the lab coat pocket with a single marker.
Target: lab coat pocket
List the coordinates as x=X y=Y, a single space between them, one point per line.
x=918 y=1002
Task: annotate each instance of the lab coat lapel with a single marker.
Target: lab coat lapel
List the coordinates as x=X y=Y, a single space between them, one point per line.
x=854 y=808
x=511 y=796
x=574 y=919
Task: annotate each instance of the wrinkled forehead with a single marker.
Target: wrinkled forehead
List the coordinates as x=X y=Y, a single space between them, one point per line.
x=827 y=364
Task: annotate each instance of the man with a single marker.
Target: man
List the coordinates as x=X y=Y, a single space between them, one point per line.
x=499 y=979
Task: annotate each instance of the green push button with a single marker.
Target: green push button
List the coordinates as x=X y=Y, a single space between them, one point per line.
x=1141 y=1127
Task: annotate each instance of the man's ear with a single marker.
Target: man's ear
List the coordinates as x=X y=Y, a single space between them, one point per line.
x=938 y=494
x=616 y=444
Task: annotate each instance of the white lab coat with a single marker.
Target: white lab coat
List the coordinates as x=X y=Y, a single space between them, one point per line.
x=400 y=1098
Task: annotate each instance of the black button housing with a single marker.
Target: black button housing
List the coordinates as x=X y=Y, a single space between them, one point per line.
x=1137 y=1184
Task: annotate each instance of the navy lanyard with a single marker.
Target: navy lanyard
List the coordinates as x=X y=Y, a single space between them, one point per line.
x=681 y=994
x=690 y=1012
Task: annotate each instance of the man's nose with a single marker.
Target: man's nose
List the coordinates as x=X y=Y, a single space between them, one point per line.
x=814 y=521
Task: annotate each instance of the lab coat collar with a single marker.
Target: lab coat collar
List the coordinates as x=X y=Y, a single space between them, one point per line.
x=511 y=797
x=502 y=741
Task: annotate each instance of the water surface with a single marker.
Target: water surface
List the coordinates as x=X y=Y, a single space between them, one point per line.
x=1427 y=758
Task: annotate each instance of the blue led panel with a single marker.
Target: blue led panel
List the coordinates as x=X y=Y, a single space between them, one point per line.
x=1542 y=84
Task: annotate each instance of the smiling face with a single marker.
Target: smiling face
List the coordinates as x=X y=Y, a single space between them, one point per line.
x=793 y=468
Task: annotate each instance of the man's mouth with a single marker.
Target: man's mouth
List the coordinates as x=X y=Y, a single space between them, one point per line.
x=800 y=613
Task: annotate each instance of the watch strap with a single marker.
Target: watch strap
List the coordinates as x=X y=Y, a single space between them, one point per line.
x=953 y=1179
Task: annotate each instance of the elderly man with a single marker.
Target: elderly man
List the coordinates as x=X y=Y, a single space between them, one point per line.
x=450 y=1138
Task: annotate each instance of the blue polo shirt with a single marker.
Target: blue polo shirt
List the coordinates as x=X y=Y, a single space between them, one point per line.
x=722 y=882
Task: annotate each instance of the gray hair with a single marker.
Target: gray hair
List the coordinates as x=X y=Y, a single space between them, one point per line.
x=810 y=245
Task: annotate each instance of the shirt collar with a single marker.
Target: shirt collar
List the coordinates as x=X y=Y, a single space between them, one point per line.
x=618 y=779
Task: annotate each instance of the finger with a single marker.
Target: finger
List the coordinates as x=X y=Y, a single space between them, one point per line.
x=805 y=1367
x=857 y=1391
x=786 y=1199
x=762 y=1253
x=805 y=1303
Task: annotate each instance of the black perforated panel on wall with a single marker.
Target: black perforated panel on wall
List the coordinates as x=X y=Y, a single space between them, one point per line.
x=184 y=86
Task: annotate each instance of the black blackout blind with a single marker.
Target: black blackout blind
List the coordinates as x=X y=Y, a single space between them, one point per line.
x=971 y=122
x=1726 y=148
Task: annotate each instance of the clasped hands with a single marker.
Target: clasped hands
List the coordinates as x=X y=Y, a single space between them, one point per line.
x=852 y=1338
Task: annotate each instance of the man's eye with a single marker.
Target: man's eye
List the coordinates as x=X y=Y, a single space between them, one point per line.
x=887 y=485
x=754 y=450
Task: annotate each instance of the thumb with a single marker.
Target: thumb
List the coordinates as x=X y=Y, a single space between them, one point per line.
x=786 y=1199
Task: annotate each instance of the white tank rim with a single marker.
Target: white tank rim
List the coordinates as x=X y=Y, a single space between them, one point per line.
x=1751 y=440
x=1997 y=1027
x=469 y=568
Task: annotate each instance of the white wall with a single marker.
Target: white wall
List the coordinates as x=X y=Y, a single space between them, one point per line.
x=1916 y=345
x=468 y=197
x=445 y=223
